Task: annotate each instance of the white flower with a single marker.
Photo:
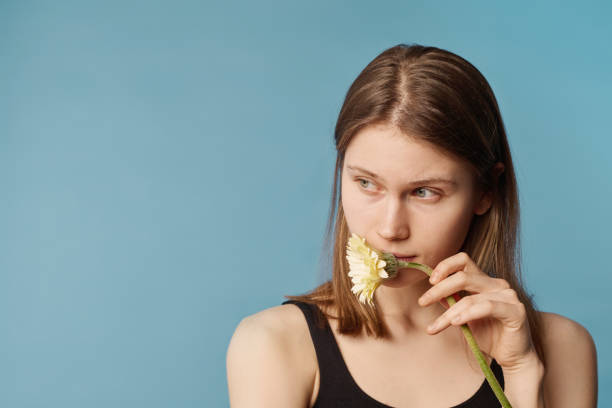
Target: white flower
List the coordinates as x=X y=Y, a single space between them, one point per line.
x=366 y=268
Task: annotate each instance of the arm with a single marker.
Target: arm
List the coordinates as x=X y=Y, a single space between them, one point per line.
x=263 y=367
x=571 y=375
x=523 y=387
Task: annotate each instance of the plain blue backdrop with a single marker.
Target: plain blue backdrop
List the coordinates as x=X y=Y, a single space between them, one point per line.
x=166 y=170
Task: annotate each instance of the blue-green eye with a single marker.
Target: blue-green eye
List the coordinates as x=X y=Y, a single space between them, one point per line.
x=361 y=184
x=424 y=189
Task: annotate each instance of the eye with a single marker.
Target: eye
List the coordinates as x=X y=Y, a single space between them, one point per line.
x=425 y=189
x=363 y=183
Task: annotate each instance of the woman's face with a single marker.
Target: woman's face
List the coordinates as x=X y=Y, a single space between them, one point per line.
x=386 y=202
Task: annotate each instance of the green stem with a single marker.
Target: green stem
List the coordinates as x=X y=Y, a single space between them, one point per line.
x=495 y=386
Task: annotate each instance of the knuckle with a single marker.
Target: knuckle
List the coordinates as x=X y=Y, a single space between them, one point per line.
x=468 y=300
x=488 y=305
x=511 y=293
x=503 y=283
x=461 y=276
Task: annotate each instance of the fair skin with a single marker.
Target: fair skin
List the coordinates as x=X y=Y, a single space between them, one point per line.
x=271 y=360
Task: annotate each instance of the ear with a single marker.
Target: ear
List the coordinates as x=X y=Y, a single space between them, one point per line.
x=484 y=203
x=486 y=198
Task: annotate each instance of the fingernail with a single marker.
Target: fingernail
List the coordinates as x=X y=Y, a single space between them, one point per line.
x=433 y=326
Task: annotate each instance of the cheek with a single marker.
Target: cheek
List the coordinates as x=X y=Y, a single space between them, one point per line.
x=350 y=208
x=359 y=216
x=451 y=230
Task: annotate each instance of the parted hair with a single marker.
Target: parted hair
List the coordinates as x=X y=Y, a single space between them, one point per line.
x=435 y=96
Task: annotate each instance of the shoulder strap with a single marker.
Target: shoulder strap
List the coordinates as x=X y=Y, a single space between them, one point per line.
x=320 y=332
x=332 y=369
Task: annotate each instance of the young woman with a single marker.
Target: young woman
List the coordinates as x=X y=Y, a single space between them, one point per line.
x=425 y=173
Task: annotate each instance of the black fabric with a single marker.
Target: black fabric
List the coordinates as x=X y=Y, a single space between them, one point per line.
x=339 y=389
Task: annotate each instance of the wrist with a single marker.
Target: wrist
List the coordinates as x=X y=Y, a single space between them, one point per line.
x=530 y=365
x=523 y=383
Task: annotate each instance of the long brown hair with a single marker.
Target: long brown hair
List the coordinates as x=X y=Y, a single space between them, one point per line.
x=439 y=97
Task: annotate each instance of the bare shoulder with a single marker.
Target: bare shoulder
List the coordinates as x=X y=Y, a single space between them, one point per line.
x=560 y=332
x=285 y=323
x=283 y=319
x=571 y=372
x=271 y=360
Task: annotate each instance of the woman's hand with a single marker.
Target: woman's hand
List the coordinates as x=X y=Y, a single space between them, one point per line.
x=492 y=311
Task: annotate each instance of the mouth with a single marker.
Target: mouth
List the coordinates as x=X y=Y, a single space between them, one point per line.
x=405 y=258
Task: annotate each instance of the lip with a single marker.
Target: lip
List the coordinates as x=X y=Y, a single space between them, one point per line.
x=404 y=257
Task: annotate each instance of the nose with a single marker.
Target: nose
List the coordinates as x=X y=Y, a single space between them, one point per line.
x=394 y=220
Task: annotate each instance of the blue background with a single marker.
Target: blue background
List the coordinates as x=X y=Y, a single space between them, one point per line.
x=166 y=171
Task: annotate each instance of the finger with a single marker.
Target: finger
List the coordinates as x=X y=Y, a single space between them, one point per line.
x=506 y=296
x=462 y=281
x=457 y=262
x=449 y=265
x=497 y=305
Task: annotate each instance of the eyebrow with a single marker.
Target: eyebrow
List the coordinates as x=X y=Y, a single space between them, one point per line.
x=423 y=181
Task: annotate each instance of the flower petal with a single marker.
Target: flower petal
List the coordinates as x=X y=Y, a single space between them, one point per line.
x=366 y=268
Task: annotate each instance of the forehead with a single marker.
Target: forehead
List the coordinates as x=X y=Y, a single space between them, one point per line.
x=392 y=154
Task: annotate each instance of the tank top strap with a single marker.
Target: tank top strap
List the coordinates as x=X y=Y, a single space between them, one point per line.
x=334 y=377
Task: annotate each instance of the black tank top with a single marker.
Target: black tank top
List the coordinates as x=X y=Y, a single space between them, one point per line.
x=338 y=388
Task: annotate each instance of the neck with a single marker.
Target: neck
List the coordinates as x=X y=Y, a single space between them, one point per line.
x=396 y=300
